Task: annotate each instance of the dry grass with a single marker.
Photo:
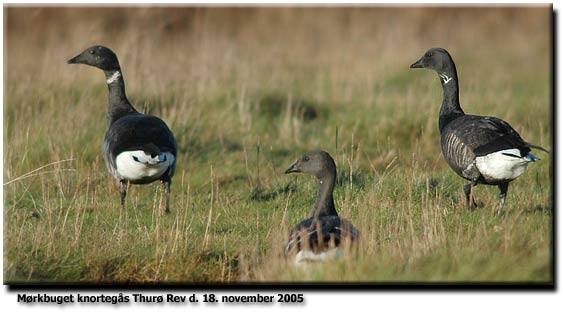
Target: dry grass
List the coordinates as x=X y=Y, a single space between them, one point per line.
x=246 y=91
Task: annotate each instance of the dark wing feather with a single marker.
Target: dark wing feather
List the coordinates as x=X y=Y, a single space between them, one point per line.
x=137 y=132
x=319 y=234
x=485 y=135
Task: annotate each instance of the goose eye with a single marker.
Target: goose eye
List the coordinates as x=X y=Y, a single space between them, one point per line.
x=428 y=55
x=305 y=158
x=92 y=52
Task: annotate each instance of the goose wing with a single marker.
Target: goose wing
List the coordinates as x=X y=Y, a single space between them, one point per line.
x=319 y=234
x=486 y=135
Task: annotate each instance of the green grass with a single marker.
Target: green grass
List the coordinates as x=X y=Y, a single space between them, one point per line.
x=246 y=92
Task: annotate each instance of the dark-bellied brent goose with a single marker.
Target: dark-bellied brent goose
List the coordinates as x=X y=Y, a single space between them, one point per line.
x=321 y=236
x=481 y=149
x=137 y=148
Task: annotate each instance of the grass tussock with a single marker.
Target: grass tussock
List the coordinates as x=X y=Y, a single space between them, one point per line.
x=246 y=91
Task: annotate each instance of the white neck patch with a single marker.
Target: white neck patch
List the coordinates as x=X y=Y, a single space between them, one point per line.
x=445 y=78
x=114 y=77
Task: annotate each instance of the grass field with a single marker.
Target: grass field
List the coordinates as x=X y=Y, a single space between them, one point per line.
x=246 y=91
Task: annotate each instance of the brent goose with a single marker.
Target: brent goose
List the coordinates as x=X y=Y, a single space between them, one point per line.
x=137 y=148
x=320 y=237
x=480 y=149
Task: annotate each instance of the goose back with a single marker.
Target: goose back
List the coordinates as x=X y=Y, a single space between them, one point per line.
x=471 y=136
x=320 y=234
x=138 y=132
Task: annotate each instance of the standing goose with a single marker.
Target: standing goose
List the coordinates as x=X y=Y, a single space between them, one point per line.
x=319 y=238
x=480 y=149
x=137 y=148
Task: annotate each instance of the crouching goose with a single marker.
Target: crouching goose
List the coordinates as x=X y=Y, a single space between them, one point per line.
x=137 y=148
x=321 y=236
x=480 y=149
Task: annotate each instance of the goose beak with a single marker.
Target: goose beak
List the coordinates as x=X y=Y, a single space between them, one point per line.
x=75 y=60
x=293 y=168
x=418 y=64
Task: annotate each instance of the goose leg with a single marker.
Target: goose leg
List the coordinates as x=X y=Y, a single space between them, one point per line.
x=166 y=185
x=503 y=190
x=123 y=184
x=468 y=189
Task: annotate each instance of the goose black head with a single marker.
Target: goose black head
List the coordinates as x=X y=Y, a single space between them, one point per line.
x=318 y=163
x=437 y=59
x=97 y=56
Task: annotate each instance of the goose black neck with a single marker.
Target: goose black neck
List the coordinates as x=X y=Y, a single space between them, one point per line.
x=119 y=105
x=451 y=109
x=324 y=204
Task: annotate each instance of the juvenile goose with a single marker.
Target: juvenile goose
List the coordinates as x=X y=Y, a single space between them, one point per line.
x=319 y=238
x=480 y=149
x=137 y=148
